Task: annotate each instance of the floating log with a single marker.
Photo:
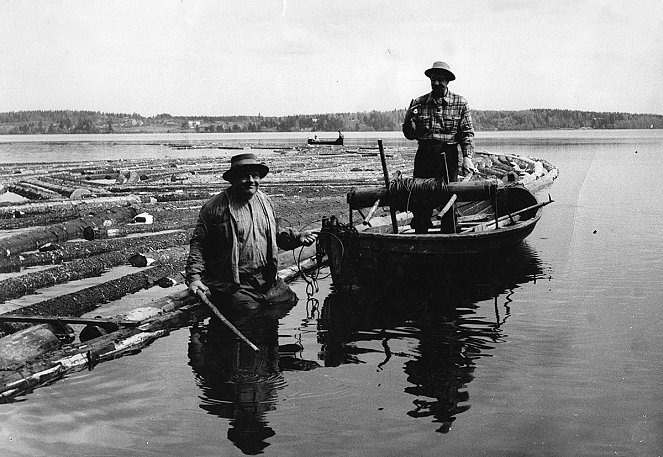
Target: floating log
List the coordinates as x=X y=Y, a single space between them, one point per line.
x=27 y=344
x=98 y=232
x=86 y=300
x=96 y=204
x=71 y=251
x=167 y=255
x=22 y=242
x=27 y=190
x=78 y=269
x=83 y=180
x=185 y=196
x=175 y=310
x=89 y=299
x=67 y=190
x=20 y=220
x=170 y=312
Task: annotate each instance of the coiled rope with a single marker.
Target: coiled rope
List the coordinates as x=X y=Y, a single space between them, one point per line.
x=422 y=191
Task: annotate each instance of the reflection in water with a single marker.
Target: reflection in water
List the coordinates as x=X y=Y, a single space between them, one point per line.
x=439 y=309
x=238 y=383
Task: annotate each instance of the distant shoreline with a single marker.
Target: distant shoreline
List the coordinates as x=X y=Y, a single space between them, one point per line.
x=84 y=122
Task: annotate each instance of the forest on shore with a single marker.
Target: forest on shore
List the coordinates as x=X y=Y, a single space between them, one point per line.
x=69 y=121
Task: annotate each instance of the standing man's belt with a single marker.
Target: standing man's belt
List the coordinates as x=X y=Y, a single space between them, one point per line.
x=433 y=141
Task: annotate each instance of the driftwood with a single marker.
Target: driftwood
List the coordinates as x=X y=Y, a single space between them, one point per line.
x=28 y=241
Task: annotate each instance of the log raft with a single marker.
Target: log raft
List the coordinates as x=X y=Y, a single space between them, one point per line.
x=47 y=360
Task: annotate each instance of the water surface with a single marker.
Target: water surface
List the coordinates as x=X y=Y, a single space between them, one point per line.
x=555 y=349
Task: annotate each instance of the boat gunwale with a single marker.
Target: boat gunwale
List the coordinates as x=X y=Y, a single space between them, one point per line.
x=521 y=224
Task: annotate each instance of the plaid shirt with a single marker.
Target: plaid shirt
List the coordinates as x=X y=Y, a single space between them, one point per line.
x=447 y=120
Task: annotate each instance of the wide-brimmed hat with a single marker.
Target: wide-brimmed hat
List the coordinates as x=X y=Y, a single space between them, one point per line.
x=440 y=68
x=242 y=162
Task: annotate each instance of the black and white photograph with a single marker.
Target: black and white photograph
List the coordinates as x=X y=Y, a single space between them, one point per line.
x=344 y=228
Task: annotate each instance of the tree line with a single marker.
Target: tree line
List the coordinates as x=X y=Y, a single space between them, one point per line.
x=69 y=121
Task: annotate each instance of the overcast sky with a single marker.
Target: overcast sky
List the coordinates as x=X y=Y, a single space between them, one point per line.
x=278 y=57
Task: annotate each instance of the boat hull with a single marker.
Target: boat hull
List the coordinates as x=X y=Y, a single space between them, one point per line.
x=356 y=255
x=334 y=142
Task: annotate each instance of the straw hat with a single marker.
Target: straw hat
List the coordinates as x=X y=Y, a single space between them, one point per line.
x=242 y=162
x=440 y=68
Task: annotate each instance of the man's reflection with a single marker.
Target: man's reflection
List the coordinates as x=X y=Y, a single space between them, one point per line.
x=442 y=308
x=238 y=383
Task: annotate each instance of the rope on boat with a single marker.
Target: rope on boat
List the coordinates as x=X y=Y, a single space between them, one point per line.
x=313 y=276
x=425 y=191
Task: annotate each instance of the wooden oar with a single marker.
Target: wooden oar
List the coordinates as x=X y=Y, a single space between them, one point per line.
x=515 y=216
x=223 y=319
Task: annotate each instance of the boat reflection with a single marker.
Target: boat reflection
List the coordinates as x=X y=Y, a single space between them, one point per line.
x=448 y=313
x=238 y=383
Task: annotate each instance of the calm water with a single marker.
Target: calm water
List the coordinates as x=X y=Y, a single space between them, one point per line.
x=555 y=350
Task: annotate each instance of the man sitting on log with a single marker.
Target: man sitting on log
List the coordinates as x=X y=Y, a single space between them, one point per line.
x=234 y=247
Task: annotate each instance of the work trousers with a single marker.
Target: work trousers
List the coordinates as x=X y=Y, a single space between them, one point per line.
x=434 y=160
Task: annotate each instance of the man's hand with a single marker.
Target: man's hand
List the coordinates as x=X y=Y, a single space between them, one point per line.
x=411 y=113
x=468 y=165
x=307 y=238
x=197 y=286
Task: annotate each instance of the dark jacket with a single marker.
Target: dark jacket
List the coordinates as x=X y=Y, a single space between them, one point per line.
x=213 y=253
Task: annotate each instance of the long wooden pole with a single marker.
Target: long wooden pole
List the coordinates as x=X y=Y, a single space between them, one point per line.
x=394 y=223
x=223 y=319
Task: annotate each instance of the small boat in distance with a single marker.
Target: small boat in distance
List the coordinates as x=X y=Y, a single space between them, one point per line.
x=327 y=141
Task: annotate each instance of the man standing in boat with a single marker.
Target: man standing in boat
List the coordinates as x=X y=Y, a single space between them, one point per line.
x=234 y=246
x=441 y=122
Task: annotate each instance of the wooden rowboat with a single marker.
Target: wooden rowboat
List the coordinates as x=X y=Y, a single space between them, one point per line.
x=491 y=216
x=327 y=141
